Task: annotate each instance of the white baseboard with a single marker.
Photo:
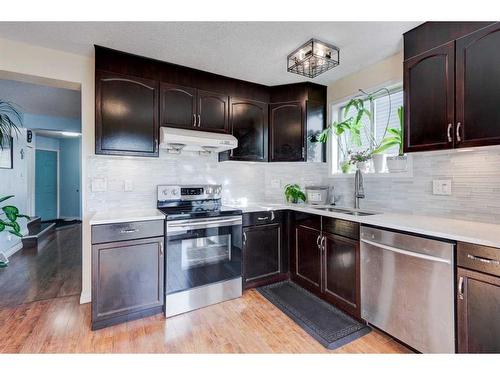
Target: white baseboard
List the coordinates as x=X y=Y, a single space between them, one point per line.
x=14 y=249
x=85 y=297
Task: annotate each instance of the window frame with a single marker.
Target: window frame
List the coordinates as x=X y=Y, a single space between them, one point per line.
x=334 y=154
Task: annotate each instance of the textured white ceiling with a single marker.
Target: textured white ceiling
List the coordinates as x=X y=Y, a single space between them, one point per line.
x=41 y=100
x=253 y=51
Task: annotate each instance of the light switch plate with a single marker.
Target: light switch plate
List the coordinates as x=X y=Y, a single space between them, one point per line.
x=441 y=187
x=99 y=185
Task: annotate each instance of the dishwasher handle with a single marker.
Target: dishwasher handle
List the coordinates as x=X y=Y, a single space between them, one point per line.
x=406 y=252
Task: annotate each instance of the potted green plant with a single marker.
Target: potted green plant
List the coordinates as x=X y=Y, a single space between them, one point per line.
x=396 y=163
x=361 y=159
x=348 y=131
x=293 y=193
x=8 y=221
x=10 y=120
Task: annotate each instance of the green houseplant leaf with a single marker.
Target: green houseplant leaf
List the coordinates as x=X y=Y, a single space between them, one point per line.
x=293 y=193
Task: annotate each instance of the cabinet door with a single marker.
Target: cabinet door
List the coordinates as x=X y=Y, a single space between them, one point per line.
x=316 y=121
x=127 y=278
x=262 y=252
x=307 y=255
x=478 y=310
x=213 y=111
x=341 y=284
x=429 y=91
x=178 y=106
x=478 y=88
x=126 y=115
x=248 y=123
x=287 y=131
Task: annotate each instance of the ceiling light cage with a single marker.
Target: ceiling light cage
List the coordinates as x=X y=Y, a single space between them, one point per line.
x=313 y=58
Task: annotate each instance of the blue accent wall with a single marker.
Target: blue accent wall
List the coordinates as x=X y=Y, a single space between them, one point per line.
x=51 y=123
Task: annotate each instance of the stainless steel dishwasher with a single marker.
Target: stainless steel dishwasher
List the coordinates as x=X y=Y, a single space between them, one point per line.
x=407 y=288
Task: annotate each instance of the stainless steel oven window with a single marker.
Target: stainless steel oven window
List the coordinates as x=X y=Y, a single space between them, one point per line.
x=199 y=252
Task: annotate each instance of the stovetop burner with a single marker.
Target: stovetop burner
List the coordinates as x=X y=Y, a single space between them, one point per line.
x=192 y=201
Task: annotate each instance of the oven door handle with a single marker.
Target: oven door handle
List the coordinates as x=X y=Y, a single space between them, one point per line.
x=205 y=224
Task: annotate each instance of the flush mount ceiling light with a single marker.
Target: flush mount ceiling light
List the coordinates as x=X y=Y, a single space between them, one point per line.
x=313 y=58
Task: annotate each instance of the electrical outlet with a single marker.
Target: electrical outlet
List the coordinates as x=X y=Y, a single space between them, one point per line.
x=128 y=185
x=99 y=185
x=441 y=187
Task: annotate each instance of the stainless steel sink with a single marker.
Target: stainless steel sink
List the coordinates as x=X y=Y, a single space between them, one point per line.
x=347 y=211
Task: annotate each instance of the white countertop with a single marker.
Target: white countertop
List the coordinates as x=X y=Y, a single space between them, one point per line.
x=126 y=216
x=458 y=230
x=452 y=229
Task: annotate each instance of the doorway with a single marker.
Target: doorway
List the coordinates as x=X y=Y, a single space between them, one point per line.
x=46 y=184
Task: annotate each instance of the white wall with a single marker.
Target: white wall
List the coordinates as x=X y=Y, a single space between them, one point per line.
x=59 y=69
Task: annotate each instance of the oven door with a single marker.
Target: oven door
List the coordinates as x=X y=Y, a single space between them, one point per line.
x=202 y=251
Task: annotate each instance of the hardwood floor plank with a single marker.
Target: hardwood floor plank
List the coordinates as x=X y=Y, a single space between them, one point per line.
x=250 y=324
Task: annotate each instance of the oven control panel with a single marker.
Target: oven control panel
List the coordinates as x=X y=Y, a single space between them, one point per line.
x=188 y=192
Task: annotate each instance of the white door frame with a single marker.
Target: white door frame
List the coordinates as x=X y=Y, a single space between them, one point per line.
x=34 y=169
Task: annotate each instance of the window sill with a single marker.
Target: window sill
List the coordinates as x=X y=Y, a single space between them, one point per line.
x=397 y=175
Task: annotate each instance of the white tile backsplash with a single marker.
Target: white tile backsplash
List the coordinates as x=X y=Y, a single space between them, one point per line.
x=475 y=177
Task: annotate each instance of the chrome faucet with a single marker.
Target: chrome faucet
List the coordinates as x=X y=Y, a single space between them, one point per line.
x=359 y=190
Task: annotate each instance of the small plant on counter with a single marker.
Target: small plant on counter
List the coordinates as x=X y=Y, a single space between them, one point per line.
x=293 y=193
x=360 y=157
x=12 y=214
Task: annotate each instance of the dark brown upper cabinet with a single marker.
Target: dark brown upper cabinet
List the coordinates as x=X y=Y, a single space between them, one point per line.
x=429 y=92
x=248 y=122
x=287 y=132
x=213 y=110
x=178 y=106
x=190 y=108
x=451 y=80
x=126 y=115
x=478 y=88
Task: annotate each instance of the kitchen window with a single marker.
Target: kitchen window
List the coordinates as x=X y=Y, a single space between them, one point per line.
x=373 y=127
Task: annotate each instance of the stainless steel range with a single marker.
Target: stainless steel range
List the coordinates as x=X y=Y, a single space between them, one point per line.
x=203 y=247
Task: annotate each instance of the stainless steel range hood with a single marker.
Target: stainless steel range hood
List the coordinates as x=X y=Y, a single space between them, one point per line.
x=178 y=140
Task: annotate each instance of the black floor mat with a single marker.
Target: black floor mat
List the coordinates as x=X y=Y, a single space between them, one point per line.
x=327 y=324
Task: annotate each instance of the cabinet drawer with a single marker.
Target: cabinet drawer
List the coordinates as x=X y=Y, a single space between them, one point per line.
x=339 y=227
x=261 y=217
x=480 y=258
x=127 y=231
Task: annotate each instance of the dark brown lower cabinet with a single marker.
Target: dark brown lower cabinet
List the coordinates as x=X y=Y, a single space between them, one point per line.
x=307 y=254
x=325 y=260
x=262 y=249
x=341 y=283
x=127 y=280
x=478 y=312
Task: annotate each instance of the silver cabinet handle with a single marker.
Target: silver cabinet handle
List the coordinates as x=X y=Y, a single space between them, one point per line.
x=449 y=132
x=199 y=120
x=129 y=231
x=323 y=243
x=244 y=238
x=318 y=241
x=461 y=287
x=458 y=131
x=161 y=248
x=262 y=218
x=484 y=260
x=194 y=120
x=272 y=215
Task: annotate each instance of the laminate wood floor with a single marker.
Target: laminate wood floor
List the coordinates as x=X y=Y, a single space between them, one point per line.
x=54 y=270
x=249 y=324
